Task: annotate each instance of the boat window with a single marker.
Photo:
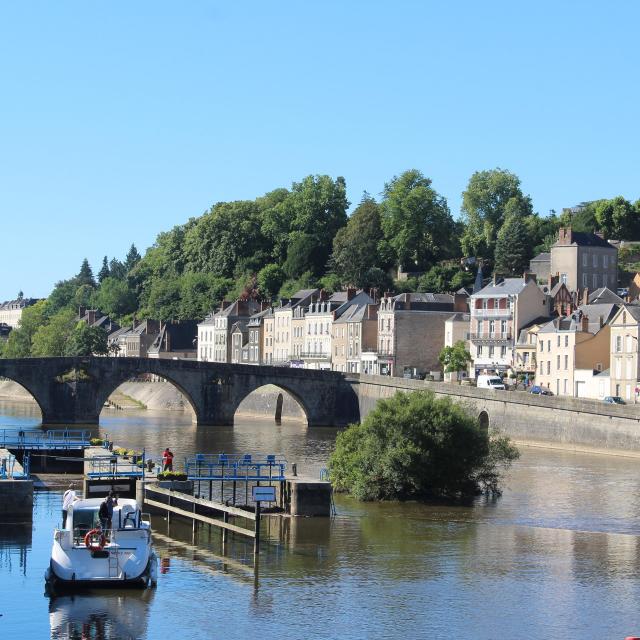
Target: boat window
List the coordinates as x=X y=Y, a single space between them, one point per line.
x=84 y=520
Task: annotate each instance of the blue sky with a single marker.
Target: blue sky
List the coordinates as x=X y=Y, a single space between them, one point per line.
x=123 y=119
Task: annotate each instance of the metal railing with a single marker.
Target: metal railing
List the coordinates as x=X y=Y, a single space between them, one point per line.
x=491 y=313
x=321 y=355
x=9 y=469
x=53 y=439
x=114 y=466
x=245 y=467
x=491 y=335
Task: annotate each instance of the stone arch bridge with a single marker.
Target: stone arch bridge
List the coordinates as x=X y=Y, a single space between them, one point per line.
x=73 y=390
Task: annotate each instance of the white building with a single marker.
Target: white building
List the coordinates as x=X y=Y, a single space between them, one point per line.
x=11 y=310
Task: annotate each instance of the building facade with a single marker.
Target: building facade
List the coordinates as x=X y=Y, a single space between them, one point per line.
x=11 y=310
x=584 y=261
x=625 y=363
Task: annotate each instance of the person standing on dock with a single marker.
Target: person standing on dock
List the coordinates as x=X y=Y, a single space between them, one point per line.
x=167 y=460
x=68 y=498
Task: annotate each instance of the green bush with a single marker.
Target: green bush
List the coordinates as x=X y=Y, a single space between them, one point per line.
x=96 y=442
x=172 y=475
x=416 y=446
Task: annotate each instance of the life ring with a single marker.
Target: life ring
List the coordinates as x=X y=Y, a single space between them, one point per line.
x=94 y=540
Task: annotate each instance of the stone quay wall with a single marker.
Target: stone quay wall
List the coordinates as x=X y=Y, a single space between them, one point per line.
x=574 y=424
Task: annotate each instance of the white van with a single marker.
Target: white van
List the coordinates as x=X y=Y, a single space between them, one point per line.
x=490 y=382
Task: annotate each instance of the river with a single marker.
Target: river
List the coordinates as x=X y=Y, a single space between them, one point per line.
x=555 y=557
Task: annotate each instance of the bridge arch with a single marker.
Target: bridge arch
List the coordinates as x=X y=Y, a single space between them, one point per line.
x=24 y=385
x=272 y=401
x=108 y=388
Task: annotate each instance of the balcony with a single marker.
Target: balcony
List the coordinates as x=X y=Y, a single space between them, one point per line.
x=490 y=336
x=492 y=313
x=315 y=355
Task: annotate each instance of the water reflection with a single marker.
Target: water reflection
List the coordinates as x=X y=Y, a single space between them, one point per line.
x=100 y=616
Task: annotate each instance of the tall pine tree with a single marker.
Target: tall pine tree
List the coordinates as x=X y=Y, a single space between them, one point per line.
x=104 y=271
x=513 y=249
x=132 y=259
x=85 y=276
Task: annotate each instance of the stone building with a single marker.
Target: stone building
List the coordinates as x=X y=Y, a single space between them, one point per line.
x=625 y=363
x=354 y=333
x=175 y=341
x=318 y=323
x=584 y=260
x=11 y=310
x=498 y=312
x=541 y=266
x=283 y=323
x=567 y=344
x=240 y=343
x=411 y=332
x=255 y=343
x=134 y=341
x=214 y=333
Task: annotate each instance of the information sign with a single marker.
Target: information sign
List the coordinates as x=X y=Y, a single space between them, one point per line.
x=263 y=494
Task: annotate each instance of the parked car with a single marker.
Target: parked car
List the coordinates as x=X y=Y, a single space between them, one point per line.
x=490 y=382
x=540 y=391
x=613 y=400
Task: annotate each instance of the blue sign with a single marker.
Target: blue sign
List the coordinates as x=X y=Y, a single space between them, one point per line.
x=263 y=494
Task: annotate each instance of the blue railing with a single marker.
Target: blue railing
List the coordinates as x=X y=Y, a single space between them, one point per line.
x=114 y=466
x=246 y=467
x=53 y=439
x=8 y=468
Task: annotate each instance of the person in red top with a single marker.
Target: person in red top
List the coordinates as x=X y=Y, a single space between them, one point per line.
x=167 y=460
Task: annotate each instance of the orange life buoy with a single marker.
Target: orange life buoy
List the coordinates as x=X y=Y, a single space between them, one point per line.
x=94 y=540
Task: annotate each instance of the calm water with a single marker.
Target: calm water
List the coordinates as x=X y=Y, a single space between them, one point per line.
x=556 y=557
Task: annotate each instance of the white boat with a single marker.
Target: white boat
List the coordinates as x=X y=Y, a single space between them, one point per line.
x=85 y=555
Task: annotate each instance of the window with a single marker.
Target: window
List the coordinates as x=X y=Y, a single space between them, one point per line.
x=548 y=345
x=558 y=362
x=563 y=278
x=558 y=340
x=595 y=280
x=566 y=341
x=565 y=387
x=585 y=280
x=491 y=351
x=541 y=368
x=618 y=344
x=595 y=259
x=541 y=345
x=605 y=261
x=548 y=367
x=585 y=259
x=480 y=351
x=566 y=362
x=503 y=352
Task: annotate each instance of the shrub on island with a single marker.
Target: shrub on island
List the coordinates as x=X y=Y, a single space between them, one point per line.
x=415 y=446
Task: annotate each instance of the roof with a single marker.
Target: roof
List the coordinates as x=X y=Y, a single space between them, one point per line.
x=507 y=286
x=239 y=308
x=542 y=257
x=459 y=317
x=584 y=239
x=604 y=295
x=18 y=303
x=354 y=313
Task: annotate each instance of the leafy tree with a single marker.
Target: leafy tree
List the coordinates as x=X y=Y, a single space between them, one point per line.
x=83 y=296
x=200 y=293
x=444 y=277
x=581 y=218
x=164 y=299
x=618 y=219
x=484 y=203
x=62 y=296
x=513 y=247
x=115 y=298
x=416 y=221
x=270 y=279
x=20 y=339
x=52 y=339
x=86 y=341
x=132 y=259
x=305 y=253
x=376 y=278
x=355 y=246
x=456 y=358
x=416 y=446
x=85 y=275
x=228 y=233
x=104 y=270
x=305 y=281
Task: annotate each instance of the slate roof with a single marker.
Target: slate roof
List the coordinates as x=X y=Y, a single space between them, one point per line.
x=585 y=239
x=542 y=257
x=508 y=286
x=604 y=295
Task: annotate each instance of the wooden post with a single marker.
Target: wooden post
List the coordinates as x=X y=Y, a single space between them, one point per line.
x=193 y=526
x=225 y=518
x=169 y=513
x=234 y=494
x=256 y=540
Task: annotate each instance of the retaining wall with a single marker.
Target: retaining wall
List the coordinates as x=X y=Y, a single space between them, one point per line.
x=566 y=423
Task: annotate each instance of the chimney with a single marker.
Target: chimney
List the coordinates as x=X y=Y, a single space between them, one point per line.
x=92 y=316
x=351 y=293
x=225 y=304
x=323 y=295
x=584 y=323
x=81 y=312
x=585 y=295
x=494 y=279
x=460 y=302
x=372 y=312
x=565 y=235
x=264 y=305
x=530 y=276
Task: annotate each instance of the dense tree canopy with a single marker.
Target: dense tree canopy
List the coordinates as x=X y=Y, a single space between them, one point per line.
x=513 y=247
x=484 y=205
x=416 y=221
x=618 y=219
x=416 y=446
